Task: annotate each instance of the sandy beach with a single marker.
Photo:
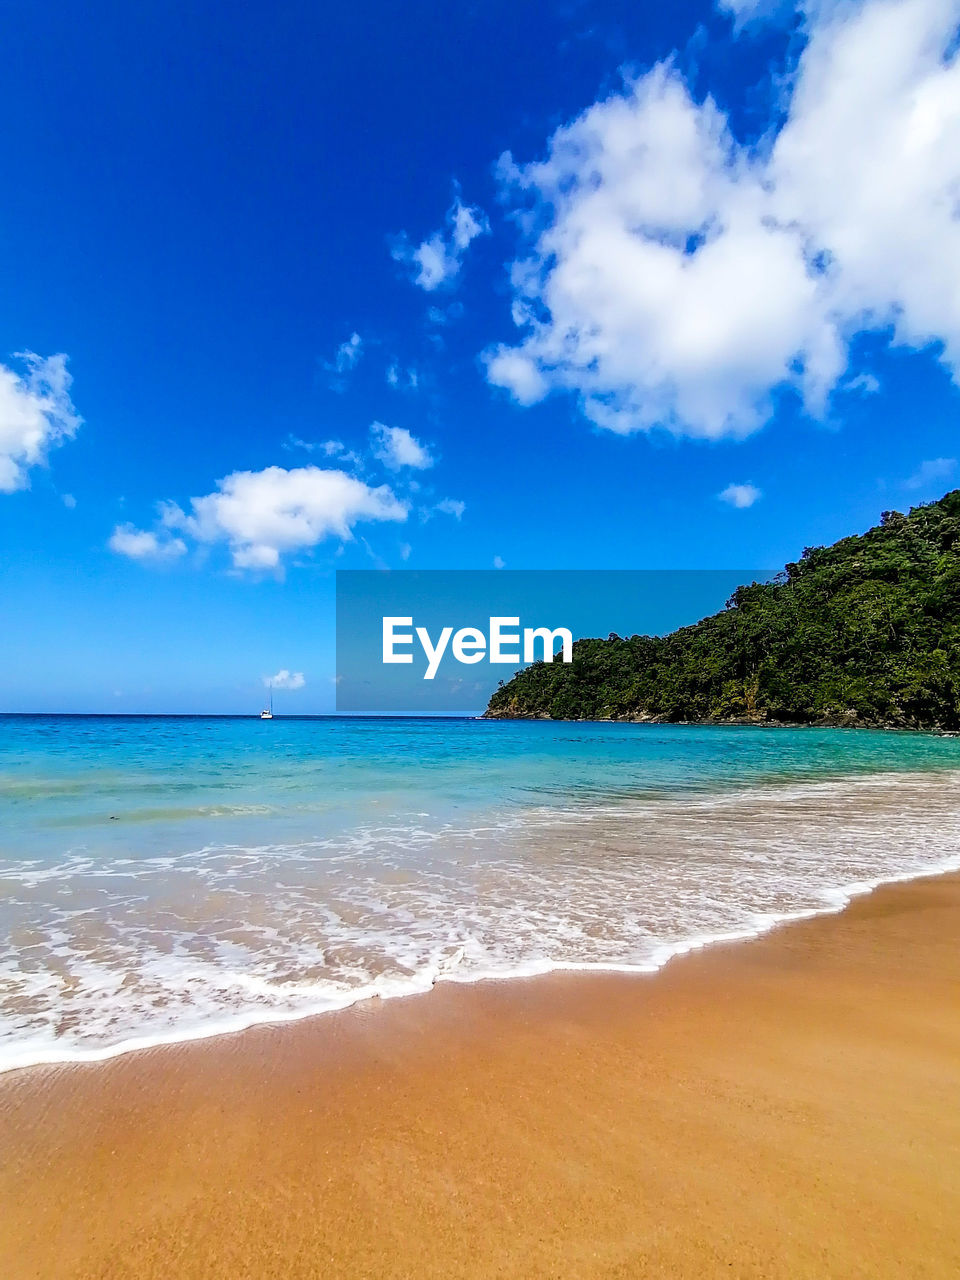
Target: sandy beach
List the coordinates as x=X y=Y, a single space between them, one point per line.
x=782 y=1107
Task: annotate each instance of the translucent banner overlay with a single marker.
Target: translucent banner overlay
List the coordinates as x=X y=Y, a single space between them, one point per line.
x=427 y=642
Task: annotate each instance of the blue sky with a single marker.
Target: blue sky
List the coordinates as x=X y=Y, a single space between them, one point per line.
x=633 y=286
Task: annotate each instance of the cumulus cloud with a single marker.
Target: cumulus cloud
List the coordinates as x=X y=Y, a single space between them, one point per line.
x=145 y=544
x=396 y=448
x=436 y=261
x=932 y=472
x=869 y=162
x=740 y=496
x=498 y=562
x=285 y=679
x=675 y=277
x=263 y=515
x=36 y=414
x=518 y=370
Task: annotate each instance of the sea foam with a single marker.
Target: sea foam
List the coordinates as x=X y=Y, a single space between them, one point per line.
x=111 y=953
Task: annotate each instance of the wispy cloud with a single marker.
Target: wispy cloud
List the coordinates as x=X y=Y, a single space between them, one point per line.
x=748 y=11
x=435 y=263
x=345 y=360
x=445 y=507
x=346 y=456
x=442 y=316
x=932 y=472
x=402 y=379
x=864 y=384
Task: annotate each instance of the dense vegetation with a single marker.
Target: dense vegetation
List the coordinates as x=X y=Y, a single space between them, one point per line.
x=866 y=631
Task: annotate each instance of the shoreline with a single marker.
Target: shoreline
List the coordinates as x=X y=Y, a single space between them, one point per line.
x=844 y=897
x=731 y=722
x=778 y=1107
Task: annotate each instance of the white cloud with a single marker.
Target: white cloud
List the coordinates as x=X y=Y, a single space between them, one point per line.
x=436 y=261
x=349 y=352
x=932 y=472
x=465 y=225
x=405 y=549
x=449 y=507
x=69 y=501
x=677 y=278
x=869 y=163
x=745 y=11
x=329 y=448
x=396 y=448
x=345 y=360
x=498 y=562
x=864 y=384
x=36 y=414
x=402 y=379
x=337 y=449
x=263 y=515
x=144 y=544
x=348 y=355
x=740 y=496
x=285 y=679
x=519 y=372
x=441 y=316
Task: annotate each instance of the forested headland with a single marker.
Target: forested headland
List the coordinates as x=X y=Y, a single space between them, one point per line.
x=863 y=632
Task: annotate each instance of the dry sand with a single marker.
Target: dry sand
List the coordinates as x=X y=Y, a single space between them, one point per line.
x=788 y=1107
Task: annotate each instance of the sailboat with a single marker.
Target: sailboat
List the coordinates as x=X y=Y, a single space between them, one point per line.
x=267 y=713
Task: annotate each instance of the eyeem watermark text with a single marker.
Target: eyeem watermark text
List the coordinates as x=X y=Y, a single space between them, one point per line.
x=470 y=644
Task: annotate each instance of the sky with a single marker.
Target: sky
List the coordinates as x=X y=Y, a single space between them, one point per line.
x=294 y=288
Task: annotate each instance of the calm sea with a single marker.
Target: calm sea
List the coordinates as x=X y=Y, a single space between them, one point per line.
x=163 y=878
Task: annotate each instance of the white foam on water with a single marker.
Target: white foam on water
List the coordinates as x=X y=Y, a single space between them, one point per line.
x=106 y=957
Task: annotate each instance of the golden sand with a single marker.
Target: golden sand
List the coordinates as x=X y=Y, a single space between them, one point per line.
x=788 y=1107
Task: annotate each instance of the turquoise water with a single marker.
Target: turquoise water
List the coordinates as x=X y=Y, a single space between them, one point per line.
x=165 y=877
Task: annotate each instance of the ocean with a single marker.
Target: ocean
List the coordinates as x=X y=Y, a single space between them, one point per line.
x=167 y=878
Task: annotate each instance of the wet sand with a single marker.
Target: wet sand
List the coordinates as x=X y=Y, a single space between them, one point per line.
x=786 y=1107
